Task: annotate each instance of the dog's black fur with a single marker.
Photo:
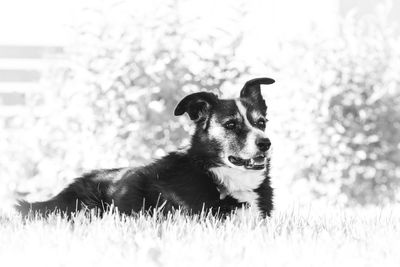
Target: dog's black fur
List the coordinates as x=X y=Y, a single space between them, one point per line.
x=184 y=179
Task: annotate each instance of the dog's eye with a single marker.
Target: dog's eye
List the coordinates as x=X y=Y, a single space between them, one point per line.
x=230 y=125
x=261 y=123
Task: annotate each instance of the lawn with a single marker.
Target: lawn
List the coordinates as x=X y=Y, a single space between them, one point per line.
x=297 y=237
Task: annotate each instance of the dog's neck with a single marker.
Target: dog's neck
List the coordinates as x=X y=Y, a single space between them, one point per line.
x=238 y=180
x=237 y=183
x=202 y=157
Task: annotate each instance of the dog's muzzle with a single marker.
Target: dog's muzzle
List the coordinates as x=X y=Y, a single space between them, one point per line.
x=256 y=163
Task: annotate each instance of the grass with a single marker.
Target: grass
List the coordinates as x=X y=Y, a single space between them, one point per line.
x=299 y=237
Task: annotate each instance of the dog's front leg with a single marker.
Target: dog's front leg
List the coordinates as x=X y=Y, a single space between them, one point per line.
x=226 y=206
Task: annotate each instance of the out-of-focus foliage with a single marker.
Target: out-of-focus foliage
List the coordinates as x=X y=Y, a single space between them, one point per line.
x=349 y=142
x=111 y=102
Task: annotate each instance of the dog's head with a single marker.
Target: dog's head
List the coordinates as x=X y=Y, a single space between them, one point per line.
x=232 y=129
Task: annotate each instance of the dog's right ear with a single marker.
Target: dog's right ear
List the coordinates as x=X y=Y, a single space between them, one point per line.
x=197 y=105
x=252 y=90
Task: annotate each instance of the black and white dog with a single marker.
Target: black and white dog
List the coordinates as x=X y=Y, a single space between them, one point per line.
x=226 y=166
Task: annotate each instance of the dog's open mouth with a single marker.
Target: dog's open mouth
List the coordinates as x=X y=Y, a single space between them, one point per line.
x=256 y=163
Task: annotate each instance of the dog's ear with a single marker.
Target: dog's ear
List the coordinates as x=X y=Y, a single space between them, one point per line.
x=197 y=105
x=252 y=91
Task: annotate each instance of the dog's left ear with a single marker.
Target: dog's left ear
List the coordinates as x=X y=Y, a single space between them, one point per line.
x=252 y=90
x=197 y=105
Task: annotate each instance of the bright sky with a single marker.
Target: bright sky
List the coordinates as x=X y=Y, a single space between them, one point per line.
x=44 y=21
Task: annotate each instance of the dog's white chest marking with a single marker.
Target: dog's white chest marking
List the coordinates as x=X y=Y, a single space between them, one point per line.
x=239 y=184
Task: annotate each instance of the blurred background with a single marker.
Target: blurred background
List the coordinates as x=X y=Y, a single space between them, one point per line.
x=93 y=84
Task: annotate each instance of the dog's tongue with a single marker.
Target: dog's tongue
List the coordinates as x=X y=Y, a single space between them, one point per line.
x=257 y=163
x=259 y=159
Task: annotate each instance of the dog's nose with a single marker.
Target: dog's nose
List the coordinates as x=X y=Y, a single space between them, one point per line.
x=263 y=144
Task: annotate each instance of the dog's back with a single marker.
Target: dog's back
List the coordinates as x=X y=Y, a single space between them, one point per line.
x=174 y=182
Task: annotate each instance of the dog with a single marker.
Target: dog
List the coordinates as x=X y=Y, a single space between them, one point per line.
x=226 y=167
